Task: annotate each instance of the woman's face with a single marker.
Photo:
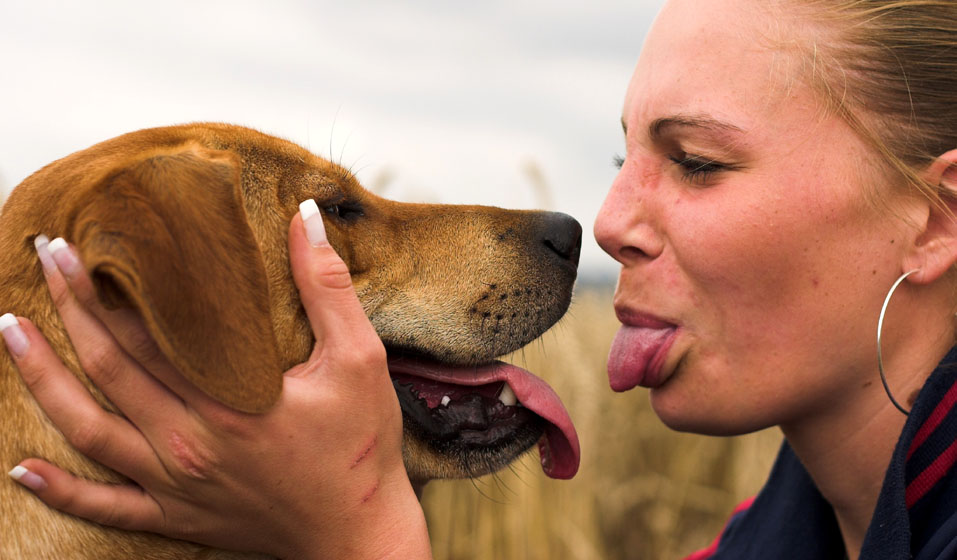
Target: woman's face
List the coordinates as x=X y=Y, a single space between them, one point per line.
x=753 y=268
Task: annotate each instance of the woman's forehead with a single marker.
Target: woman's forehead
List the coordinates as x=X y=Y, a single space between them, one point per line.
x=714 y=58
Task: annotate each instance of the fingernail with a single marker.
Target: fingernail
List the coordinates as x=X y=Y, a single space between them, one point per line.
x=315 y=230
x=42 y=242
x=13 y=335
x=31 y=480
x=66 y=260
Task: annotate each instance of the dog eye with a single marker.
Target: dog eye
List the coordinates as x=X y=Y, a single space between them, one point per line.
x=344 y=211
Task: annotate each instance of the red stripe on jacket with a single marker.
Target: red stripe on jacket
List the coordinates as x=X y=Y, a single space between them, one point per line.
x=931 y=475
x=944 y=462
x=936 y=417
x=706 y=553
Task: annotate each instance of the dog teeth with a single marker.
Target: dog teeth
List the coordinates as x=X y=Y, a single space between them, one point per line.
x=446 y=400
x=507 y=396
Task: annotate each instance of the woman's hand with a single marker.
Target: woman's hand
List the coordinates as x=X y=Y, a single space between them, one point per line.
x=319 y=475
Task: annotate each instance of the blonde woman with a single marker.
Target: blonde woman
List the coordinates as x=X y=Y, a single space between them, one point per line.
x=787 y=163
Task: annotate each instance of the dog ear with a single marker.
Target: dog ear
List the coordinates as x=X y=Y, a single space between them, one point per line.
x=168 y=236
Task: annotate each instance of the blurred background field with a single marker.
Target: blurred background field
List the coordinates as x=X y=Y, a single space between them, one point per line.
x=643 y=491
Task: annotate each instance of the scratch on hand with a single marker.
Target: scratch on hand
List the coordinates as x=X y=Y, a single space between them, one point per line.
x=365 y=453
x=370 y=493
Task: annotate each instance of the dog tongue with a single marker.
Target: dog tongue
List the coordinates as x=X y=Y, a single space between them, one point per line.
x=559 y=449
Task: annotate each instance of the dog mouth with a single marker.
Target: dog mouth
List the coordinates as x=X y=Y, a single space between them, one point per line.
x=485 y=407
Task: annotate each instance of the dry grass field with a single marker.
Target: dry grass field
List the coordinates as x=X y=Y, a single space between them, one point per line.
x=643 y=491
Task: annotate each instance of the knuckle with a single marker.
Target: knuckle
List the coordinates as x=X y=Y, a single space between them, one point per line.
x=36 y=375
x=89 y=438
x=186 y=529
x=61 y=295
x=370 y=355
x=228 y=421
x=114 y=515
x=101 y=361
x=64 y=500
x=334 y=274
x=85 y=296
x=143 y=347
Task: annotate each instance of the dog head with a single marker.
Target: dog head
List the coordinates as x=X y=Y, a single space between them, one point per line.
x=188 y=225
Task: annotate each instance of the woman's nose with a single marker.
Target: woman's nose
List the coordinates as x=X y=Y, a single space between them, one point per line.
x=626 y=227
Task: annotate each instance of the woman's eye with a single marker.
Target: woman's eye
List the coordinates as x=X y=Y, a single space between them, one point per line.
x=697 y=169
x=618 y=161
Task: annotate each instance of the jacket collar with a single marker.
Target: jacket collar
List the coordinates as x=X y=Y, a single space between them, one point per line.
x=791 y=519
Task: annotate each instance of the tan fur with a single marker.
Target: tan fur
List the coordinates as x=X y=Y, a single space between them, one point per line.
x=188 y=226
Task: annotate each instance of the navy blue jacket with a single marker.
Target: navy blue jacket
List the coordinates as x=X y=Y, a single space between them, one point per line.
x=916 y=513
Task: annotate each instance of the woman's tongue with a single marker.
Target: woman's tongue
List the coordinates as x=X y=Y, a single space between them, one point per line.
x=631 y=361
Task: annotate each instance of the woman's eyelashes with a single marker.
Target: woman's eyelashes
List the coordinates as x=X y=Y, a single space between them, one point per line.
x=693 y=168
x=697 y=169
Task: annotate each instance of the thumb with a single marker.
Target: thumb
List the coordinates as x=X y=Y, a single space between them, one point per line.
x=325 y=287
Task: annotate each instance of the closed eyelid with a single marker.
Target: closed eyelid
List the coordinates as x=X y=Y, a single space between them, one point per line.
x=702 y=140
x=716 y=134
x=704 y=137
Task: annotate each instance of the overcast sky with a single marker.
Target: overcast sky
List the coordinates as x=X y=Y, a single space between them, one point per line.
x=427 y=100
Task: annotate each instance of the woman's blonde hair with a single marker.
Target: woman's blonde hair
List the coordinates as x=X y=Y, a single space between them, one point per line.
x=889 y=67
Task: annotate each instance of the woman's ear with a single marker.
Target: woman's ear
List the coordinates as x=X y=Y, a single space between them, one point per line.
x=934 y=251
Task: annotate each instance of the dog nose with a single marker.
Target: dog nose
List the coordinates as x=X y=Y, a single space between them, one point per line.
x=562 y=236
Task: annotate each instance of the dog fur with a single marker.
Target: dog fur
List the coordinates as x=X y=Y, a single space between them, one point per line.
x=188 y=225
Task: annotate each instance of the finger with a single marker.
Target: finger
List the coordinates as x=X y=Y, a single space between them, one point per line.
x=124 y=506
x=95 y=432
x=114 y=347
x=116 y=350
x=70 y=285
x=322 y=277
x=325 y=288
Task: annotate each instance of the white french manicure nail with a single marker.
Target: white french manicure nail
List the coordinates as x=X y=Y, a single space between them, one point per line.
x=312 y=220
x=13 y=336
x=42 y=242
x=66 y=261
x=31 y=480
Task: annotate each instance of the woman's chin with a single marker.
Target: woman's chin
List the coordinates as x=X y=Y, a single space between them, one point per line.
x=703 y=413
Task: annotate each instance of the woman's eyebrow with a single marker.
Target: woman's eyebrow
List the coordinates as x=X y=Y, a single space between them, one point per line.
x=659 y=127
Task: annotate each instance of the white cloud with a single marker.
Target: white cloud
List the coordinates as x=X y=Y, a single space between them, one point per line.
x=453 y=99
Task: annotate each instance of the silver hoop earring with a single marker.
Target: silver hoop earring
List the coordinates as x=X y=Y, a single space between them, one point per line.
x=880 y=325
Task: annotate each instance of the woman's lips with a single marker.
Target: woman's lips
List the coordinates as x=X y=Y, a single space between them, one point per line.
x=638 y=354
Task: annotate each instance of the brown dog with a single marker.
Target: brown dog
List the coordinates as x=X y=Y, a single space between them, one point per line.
x=188 y=226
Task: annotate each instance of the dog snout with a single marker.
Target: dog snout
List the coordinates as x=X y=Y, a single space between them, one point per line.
x=562 y=235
